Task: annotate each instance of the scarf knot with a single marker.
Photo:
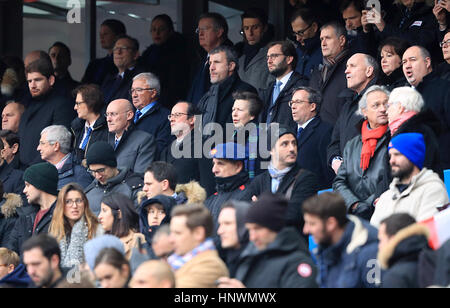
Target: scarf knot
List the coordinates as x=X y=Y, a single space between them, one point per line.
x=370 y=138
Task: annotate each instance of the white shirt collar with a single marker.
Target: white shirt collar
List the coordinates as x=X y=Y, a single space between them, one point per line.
x=305 y=124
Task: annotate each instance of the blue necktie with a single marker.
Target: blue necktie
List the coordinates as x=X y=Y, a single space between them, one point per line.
x=137 y=116
x=275 y=94
x=86 y=139
x=116 y=143
x=299 y=132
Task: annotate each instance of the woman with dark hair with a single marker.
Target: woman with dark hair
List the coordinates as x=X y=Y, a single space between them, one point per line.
x=90 y=126
x=391 y=52
x=73 y=224
x=112 y=269
x=119 y=218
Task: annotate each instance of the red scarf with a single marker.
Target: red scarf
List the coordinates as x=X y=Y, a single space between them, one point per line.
x=370 y=138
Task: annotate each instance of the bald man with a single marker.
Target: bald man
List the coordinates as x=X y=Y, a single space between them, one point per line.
x=134 y=149
x=153 y=274
x=11 y=115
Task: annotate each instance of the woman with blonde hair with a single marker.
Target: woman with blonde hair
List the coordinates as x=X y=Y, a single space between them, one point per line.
x=73 y=224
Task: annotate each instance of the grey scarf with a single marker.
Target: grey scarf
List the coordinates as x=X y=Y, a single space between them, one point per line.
x=72 y=246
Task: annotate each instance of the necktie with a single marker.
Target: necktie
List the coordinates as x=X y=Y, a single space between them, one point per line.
x=299 y=132
x=276 y=91
x=116 y=143
x=275 y=94
x=113 y=89
x=137 y=116
x=86 y=139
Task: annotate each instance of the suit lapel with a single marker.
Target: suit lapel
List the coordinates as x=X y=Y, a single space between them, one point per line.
x=308 y=131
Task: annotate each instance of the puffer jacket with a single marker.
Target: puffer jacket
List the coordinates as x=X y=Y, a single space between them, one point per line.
x=285 y=263
x=356 y=185
x=400 y=257
x=8 y=215
x=349 y=263
x=421 y=199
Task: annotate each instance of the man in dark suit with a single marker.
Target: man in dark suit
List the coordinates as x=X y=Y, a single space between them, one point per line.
x=181 y=152
x=47 y=107
x=281 y=61
x=100 y=68
x=150 y=115
x=125 y=55
x=313 y=134
x=284 y=176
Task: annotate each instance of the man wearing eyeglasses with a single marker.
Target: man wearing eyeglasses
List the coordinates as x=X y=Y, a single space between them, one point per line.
x=212 y=32
x=305 y=28
x=134 y=149
x=313 y=134
x=443 y=69
x=252 y=62
x=108 y=177
x=150 y=115
x=281 y=61
x=181 y=152
x=125 y=55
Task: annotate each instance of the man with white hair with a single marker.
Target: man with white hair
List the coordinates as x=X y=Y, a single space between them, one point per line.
x=54 y=147
x=435 y=92
x=150 y=115
x=406 y=115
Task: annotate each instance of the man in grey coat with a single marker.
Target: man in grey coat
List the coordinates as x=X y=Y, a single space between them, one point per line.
x=134 y=149
x=108 y=178
x=252 y=63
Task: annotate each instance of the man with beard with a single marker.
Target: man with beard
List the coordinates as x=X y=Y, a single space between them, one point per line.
x=284 y=175
x=41 y=190
x=415 y=190
x=281 y=61
x=42 y=258
x=346 y=244
x=47 y=107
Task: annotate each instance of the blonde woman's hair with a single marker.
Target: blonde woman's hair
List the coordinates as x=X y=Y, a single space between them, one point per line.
x=60 y=226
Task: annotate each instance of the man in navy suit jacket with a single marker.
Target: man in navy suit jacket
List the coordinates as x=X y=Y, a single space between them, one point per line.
x=150 y=115
x=313 y=134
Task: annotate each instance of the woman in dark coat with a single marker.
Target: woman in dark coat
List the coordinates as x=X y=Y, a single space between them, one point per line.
x=391 y=53
x=90 y=126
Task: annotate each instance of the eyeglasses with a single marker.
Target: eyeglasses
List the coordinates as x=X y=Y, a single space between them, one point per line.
x=78 y=202
x=291 y=103
x=202 y=29
x=99 y=171
x=274 y=56
x=78 y=103
x=301 y=32
x=444 y=43
x=122 y=49
x=139 y=90
x=114 y=114
x=176 y=115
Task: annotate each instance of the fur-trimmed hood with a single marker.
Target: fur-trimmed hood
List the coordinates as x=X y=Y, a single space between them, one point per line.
x=416 y=230
x=10 y=204
x=9 y=82
x=193 y=191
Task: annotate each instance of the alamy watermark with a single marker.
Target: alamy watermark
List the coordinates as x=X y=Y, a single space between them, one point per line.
x=74 y=13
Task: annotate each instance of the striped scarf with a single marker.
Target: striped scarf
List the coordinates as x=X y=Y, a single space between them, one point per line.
x=176 y=261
